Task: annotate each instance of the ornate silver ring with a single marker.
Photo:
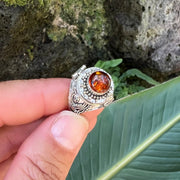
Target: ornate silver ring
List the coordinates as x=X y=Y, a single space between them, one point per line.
x=90 y=89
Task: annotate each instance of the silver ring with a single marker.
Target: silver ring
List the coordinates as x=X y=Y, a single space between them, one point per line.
x=90 y=89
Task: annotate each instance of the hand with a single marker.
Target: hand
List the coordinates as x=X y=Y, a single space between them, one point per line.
x=38 y=138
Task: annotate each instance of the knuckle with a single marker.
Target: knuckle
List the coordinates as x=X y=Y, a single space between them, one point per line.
x=51 y=168
x=40 y=168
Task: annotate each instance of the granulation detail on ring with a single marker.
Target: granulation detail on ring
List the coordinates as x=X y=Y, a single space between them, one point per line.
x=90 y=89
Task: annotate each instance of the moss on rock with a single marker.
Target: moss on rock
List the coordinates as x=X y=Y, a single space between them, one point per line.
x=85 y=20
x=17 y=2
x=50 y=38
x=23 y=2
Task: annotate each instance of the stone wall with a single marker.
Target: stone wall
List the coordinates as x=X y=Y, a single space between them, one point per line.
x=51 y=39
x=146 y=33
x=54 y=38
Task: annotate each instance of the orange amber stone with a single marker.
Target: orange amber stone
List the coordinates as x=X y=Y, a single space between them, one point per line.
x=99 y=82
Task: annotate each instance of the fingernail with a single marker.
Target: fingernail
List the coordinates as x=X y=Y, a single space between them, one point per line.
x=69 y=129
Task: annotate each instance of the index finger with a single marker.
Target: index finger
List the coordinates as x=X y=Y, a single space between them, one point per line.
x=23 y=101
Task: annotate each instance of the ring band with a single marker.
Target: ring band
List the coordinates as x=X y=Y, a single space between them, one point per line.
x=90 y=89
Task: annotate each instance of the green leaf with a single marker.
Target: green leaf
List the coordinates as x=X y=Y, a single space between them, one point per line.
x=139 y=74
x=108 y=64
x=135 y=138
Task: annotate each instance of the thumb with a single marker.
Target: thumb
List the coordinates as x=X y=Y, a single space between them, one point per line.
x=49 y=151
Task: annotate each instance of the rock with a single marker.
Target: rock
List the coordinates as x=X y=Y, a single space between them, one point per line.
x=54 y=38
x=146 y=33
x=50 y=39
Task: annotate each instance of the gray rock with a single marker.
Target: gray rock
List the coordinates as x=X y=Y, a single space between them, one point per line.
x=146 y=33
x=55 y=38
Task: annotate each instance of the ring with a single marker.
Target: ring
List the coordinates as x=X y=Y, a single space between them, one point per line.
x=90 y=89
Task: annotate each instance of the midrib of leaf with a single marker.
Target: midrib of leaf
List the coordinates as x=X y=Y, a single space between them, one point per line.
x=128 y=158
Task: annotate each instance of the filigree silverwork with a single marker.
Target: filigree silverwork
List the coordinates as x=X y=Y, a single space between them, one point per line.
x=82 y=97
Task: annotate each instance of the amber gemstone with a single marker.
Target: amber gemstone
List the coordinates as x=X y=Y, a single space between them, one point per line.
x=99 y=82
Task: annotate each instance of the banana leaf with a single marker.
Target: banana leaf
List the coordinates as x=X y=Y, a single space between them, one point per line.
x=135 y=138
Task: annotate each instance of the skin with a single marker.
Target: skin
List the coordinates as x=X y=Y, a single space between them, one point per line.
x=29 y=111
